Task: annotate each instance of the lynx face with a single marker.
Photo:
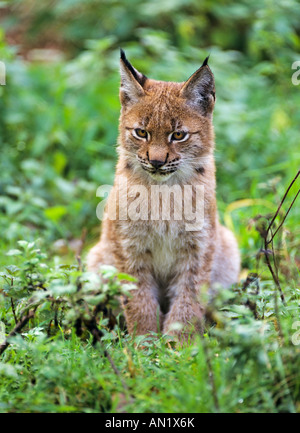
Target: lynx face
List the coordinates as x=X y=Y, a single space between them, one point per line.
x=166 y=128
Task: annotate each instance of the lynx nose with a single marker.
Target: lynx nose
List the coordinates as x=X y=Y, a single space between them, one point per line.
x=156 y=163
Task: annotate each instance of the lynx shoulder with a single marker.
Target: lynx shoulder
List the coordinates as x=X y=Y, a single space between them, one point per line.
x=161 y=223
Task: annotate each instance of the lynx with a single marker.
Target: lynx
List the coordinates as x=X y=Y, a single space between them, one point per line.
x=166 y=139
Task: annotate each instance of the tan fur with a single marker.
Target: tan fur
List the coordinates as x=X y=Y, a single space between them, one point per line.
x=171 y=264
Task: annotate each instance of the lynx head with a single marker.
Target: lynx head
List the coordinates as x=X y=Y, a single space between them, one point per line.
x=166 y=127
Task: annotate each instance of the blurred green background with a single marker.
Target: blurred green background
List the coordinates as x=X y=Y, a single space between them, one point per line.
x=59 y=108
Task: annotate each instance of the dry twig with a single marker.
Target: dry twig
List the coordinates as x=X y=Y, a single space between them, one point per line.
x=268 y=240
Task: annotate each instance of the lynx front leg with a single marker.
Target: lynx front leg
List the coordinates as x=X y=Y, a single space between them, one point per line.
x=142 y=311
x=187 y=311
x=185 y=305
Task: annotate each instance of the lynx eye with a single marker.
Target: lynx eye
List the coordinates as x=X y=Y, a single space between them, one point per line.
x=142 y=133
x=178 y=135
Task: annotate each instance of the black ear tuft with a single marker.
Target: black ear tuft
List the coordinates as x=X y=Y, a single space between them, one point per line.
x=141 y=78
x=205 y=63
x=122 y=54
x=127 y=64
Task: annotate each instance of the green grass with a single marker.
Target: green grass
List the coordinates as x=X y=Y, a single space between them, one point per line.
x=247 y=360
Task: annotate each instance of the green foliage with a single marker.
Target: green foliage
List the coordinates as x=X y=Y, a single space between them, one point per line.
x=58 y=133
x=52 y=367
x=62 y=294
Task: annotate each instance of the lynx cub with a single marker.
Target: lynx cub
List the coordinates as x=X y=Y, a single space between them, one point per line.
x=166 y=141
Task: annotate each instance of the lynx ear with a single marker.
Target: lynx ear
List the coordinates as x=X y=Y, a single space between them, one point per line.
x=132 y=82
x=199 y=89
